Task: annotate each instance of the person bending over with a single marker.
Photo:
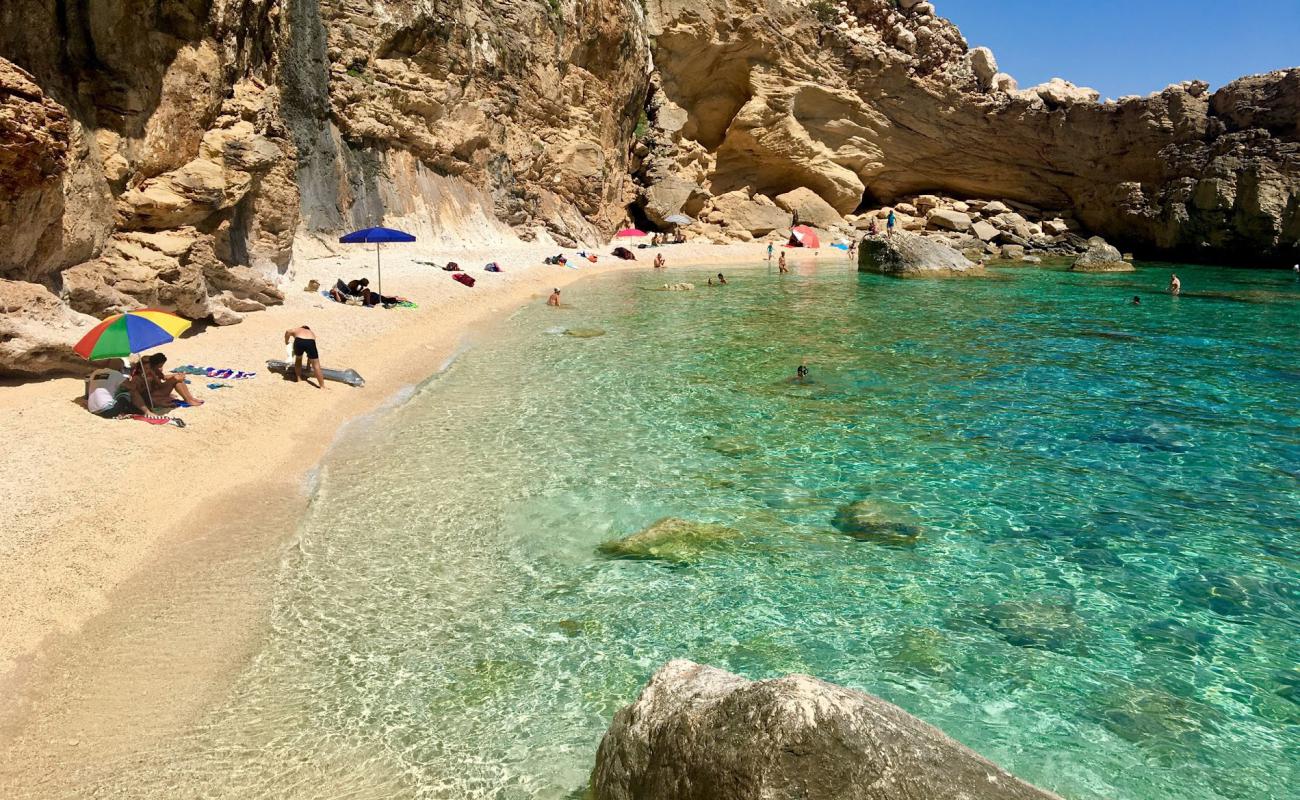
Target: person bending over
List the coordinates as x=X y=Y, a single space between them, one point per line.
x=304 y=344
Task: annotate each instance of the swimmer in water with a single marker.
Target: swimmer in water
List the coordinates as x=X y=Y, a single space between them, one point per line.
x=801 y=374
x=1175 y=285
x=1137 y=301
x=721 y=280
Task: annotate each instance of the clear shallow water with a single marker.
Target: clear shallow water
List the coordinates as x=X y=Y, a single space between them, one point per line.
x=1104 y=599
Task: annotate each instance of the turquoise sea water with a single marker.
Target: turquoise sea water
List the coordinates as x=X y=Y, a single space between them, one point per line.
x=1104 y=598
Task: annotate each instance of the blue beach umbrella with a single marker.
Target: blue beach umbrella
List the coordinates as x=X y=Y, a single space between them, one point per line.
x=377 y=237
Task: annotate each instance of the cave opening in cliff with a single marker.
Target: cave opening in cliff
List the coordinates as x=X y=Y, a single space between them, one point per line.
x=868 y=202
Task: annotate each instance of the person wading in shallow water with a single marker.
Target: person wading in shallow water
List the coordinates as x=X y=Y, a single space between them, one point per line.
x=1175 y=285
x=781 y=264
x=554 y=299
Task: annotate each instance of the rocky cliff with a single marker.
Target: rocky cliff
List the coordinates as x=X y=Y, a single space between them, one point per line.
x=870 y=101
x=699 y=733
x=173 y=152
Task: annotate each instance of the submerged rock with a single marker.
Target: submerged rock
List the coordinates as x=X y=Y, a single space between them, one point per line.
x=699 y=733
x=905 y=254
x=1101 y=257
x=584 y=333
x=1036 y=625
x=876 y=521
x=674 y=540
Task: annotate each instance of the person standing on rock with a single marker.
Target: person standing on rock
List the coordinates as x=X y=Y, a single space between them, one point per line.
x=1175 y=285
x=889 y=224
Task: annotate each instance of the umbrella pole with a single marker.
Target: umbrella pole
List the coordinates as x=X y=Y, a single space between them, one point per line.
x=378 y=246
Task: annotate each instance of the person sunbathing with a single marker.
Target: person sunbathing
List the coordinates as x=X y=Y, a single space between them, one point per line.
x=149 y=385
x=359 y=288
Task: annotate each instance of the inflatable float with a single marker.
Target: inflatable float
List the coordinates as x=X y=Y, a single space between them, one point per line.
x=348 y=376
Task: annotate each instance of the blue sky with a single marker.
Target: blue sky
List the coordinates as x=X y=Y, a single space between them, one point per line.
x=1121 y=47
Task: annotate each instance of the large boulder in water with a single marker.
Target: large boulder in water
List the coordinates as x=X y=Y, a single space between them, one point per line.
x=875 y=521
x=1101 y=257
x=699 y=733
x=674 y=540
x=906 y=254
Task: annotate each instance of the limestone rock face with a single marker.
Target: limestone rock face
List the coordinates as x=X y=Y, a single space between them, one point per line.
x=906 y=254
x=809 y=208
x=37 y=331
x=699 y=733
x=1101 y=257
x=885 y=101
x=756 y=215
x=174 y=270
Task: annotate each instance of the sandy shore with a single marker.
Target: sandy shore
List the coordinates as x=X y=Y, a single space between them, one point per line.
x=96 y=505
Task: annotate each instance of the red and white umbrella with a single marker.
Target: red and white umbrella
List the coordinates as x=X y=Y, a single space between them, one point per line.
x=805 y=236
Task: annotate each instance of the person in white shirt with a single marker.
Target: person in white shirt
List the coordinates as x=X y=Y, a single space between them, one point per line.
x=107 y=394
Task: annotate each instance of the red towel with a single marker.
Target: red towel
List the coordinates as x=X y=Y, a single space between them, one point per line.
x=463 y=278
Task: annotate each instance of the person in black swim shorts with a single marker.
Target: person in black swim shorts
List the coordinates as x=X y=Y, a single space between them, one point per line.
x=304 y=344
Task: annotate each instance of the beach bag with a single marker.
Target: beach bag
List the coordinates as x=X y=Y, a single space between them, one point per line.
x=492 y=267
x=452 y=266
x=463 y=278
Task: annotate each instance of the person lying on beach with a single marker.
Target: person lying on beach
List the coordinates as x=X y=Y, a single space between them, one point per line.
x=359 y=288
x=554 y=299
x=149 y=384
x=304 y=344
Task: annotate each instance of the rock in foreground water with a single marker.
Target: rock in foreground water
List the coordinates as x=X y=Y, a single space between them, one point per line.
x=1101 y=257
x=873 y=521
x=677 y=541
x=906 y=254
x=699 y=733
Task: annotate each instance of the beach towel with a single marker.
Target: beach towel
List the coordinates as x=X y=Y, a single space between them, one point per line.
x=349 y=300
x=492 y=266
x=155 y=419
x=214 y=372
x=463 y=278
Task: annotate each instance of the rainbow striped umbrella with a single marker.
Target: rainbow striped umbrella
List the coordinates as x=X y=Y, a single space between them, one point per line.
x=124 y=334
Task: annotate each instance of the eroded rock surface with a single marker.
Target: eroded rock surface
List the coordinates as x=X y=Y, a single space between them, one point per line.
x=883 y=100
x=1101 y=257
x=699 y=733
x=676 y=541
x=905 y=254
